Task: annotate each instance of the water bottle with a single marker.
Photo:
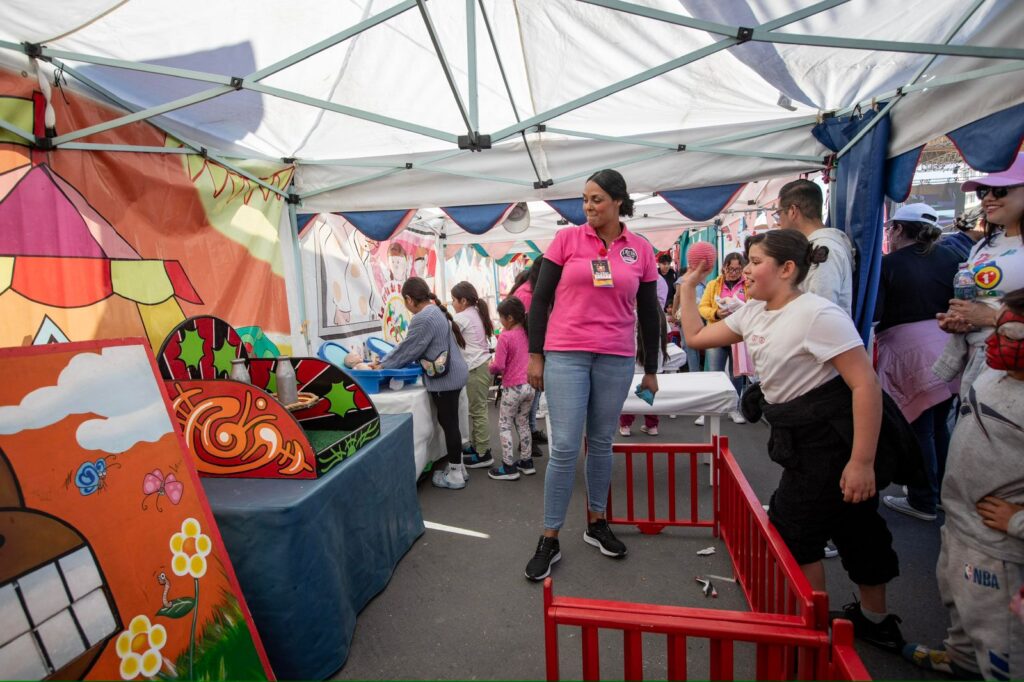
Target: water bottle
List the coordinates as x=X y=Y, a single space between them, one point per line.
x=239 y=372
x=963 y=284
x=287 y=388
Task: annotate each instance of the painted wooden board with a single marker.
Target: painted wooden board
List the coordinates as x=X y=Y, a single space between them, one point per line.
x=111 y=565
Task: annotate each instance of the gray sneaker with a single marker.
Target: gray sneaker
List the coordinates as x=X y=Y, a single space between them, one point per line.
x=450 y=477
x=903 y=506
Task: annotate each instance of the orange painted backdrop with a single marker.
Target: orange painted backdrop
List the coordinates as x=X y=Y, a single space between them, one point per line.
x=221 y=227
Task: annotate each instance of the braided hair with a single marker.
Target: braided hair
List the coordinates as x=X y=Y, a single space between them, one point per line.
x=416 y=288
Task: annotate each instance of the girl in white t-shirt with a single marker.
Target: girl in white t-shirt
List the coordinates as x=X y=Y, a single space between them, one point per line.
x=801 y=344
x=473 y=316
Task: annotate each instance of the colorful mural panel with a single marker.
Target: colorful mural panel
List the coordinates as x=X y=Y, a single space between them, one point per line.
x=358 y=280
x=111 y=565
x=114 y=244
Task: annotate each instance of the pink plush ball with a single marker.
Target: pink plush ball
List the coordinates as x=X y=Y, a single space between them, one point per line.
x=701 y=252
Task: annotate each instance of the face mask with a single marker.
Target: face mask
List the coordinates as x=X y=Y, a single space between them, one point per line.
x=1005 y=348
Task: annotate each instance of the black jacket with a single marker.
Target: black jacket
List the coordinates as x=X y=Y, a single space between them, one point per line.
x=822 y=420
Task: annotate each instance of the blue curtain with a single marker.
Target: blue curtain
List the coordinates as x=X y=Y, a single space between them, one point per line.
x=379 y=225
x=570 y=209
x=990 y=144
x=701 y=203
x=477 y=219
x=899 y=174
x=860 y=191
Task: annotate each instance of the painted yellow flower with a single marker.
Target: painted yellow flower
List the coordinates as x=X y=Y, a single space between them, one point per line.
x=139 y=648
x=189 y=549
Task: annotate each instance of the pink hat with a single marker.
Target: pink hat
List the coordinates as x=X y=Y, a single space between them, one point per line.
x=1014 y=175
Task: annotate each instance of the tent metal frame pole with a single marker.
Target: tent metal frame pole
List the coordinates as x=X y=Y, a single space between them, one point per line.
x=144 y=114
x=349 y=183
x=668 y=17
x=653 y=72
x=474 y=99
x=612 y=138
x=618 y=164
x=15 y=130
x=764 y=36
x=352 y=111
x=755 y=155
x=800 y=14
x=330 y=42
x=917 y=76
x=293 y=223
x=439 y=50
x=158 y=69
x=607 y=91
x=698 y=147
x=249 y=176
x=97 y=147
x=508 y=91
x=476 y=176
x=118 y=100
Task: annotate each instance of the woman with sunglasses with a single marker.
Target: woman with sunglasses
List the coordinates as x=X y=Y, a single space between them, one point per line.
x=435 y=341
x=997 y=262
x=915 y=285
x=722 y=296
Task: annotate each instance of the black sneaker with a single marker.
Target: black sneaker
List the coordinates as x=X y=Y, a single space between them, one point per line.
x=599 y=534
x=526 y=466
x=885 y=635
x=539 y=437
x=547 y=554
x=474 y=460
x=504 y=472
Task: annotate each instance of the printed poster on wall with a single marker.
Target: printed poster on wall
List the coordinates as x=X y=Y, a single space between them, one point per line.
x=359 y=280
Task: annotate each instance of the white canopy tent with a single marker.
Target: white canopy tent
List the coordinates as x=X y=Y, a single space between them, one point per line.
x=381 y=103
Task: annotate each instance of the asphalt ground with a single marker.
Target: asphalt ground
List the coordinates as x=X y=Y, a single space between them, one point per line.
x=459 y=607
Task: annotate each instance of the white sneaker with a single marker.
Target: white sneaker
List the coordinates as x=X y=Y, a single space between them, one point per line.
x=625 y=431
x=902 y=505
x=449 y=477
x=699 y=421
x=737 y=418
x=830 y=551
x=649 y=430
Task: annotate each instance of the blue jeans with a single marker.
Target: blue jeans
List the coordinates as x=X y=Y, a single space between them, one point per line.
x=933 y=437
x=533 y=411
x=716 y=358
x=583 y=390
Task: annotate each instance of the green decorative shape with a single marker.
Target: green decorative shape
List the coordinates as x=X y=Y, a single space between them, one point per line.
x=223 y=356
x=192 y=349
x=179 y=608
x=271 y=383
x=343 y=400
x=347 y=446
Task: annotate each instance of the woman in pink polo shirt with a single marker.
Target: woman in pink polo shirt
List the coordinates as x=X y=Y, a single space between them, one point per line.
x=582 y=346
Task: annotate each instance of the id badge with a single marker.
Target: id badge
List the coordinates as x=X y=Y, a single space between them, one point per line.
x=602 y=271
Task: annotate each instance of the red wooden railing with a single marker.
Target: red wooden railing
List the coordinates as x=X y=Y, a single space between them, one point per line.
x=777 y=646
x=686 y=514
x=770 y=578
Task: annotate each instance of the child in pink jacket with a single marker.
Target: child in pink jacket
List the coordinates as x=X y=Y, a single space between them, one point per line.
x=510 y=360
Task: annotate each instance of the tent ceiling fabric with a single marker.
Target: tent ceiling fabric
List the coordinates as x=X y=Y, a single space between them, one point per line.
x=330 y=109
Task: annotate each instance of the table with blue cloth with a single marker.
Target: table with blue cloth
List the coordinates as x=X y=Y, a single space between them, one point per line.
x=309 y=555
